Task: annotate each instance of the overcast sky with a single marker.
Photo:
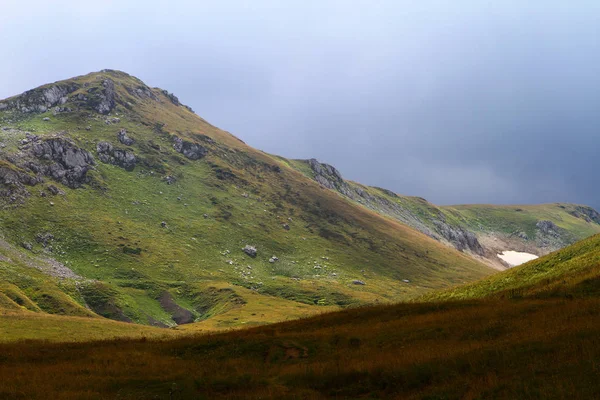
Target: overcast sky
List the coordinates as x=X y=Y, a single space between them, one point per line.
x=455 y=101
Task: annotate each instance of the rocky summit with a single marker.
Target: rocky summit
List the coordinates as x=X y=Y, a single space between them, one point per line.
x=118 y=201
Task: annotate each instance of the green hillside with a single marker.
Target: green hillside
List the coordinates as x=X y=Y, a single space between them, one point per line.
x=572 y=272
x=139 y=210
x=482 y=231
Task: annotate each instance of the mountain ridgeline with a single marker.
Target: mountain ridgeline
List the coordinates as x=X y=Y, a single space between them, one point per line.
x=119 y=201
x=482 y=231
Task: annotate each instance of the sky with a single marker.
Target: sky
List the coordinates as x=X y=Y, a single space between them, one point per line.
x=464 y=101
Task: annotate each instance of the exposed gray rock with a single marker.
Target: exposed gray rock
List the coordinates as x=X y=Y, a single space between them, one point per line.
x=163 y=224
x=123 y=138
x=46 y=119
x=54 y=190
x=27 y=246
x=40 y=100
x=171 y=97
x=119 y=157
x=357 y=282
x=250 y=250
x=328 y=176
x=286 y=227
x=548 y=228
x=587 y=213
x=58 y=110
x=193 y=151
x=70 y=163
x=142 y=92
x=459 y=237
x=106 y=98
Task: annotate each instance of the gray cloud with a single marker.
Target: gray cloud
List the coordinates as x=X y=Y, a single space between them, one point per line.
x=458 y=102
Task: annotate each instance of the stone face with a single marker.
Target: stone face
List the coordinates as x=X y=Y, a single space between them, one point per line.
x=70 y=163
x=328 y=176
x=193 y=151
x=115 y=156
x=106 y=98
x=13 y=184
x=40 y=100
x=548 y=228
x=459 y=237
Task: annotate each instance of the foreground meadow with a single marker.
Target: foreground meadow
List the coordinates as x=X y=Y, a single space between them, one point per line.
x=496 y=349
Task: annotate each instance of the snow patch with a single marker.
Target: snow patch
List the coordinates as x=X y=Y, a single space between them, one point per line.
x=515 y=258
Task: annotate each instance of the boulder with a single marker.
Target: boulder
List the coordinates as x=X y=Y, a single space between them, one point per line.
x=250 y=250
x=124 y=139
x=193 y=151
x=357 y=282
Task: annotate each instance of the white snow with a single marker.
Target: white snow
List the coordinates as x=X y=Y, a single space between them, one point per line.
x=515 y=258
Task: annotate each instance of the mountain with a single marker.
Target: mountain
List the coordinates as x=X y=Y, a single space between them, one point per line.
x=116 y=200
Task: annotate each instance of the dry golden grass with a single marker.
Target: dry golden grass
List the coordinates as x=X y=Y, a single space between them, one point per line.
x=528 y=349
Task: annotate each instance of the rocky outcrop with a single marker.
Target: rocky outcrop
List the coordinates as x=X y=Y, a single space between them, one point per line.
x=193 y=151
x=108 y=154
x=142 y=92
x=171 y=97
x=547 y=228
x=105 y=98
x=69 y=164
x=459 y=237
x=124 y=139
x=13 y=183
x=40 y=100
x=586 y=213
x=328 y=176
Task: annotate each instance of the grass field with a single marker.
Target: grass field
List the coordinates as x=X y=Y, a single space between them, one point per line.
x=572 y=272
x=523 y=349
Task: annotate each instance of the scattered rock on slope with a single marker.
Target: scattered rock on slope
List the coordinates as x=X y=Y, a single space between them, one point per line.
x=111 y=155
x=193 y=151
x=124 y=139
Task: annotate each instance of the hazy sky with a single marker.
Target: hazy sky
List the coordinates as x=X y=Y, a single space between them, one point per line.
x=454 y=101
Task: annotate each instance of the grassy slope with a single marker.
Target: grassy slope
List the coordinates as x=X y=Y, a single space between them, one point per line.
x=122 y=209
x=570 y=272
x=498 y=227
x=528 y=349
x=510 y=219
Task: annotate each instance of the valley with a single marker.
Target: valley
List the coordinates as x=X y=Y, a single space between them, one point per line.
x=132 y=232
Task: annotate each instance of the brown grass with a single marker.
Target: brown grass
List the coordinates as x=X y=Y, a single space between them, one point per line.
x=528 y=349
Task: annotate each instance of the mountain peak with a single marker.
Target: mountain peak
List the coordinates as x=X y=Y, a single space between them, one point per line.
x=100 y=91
